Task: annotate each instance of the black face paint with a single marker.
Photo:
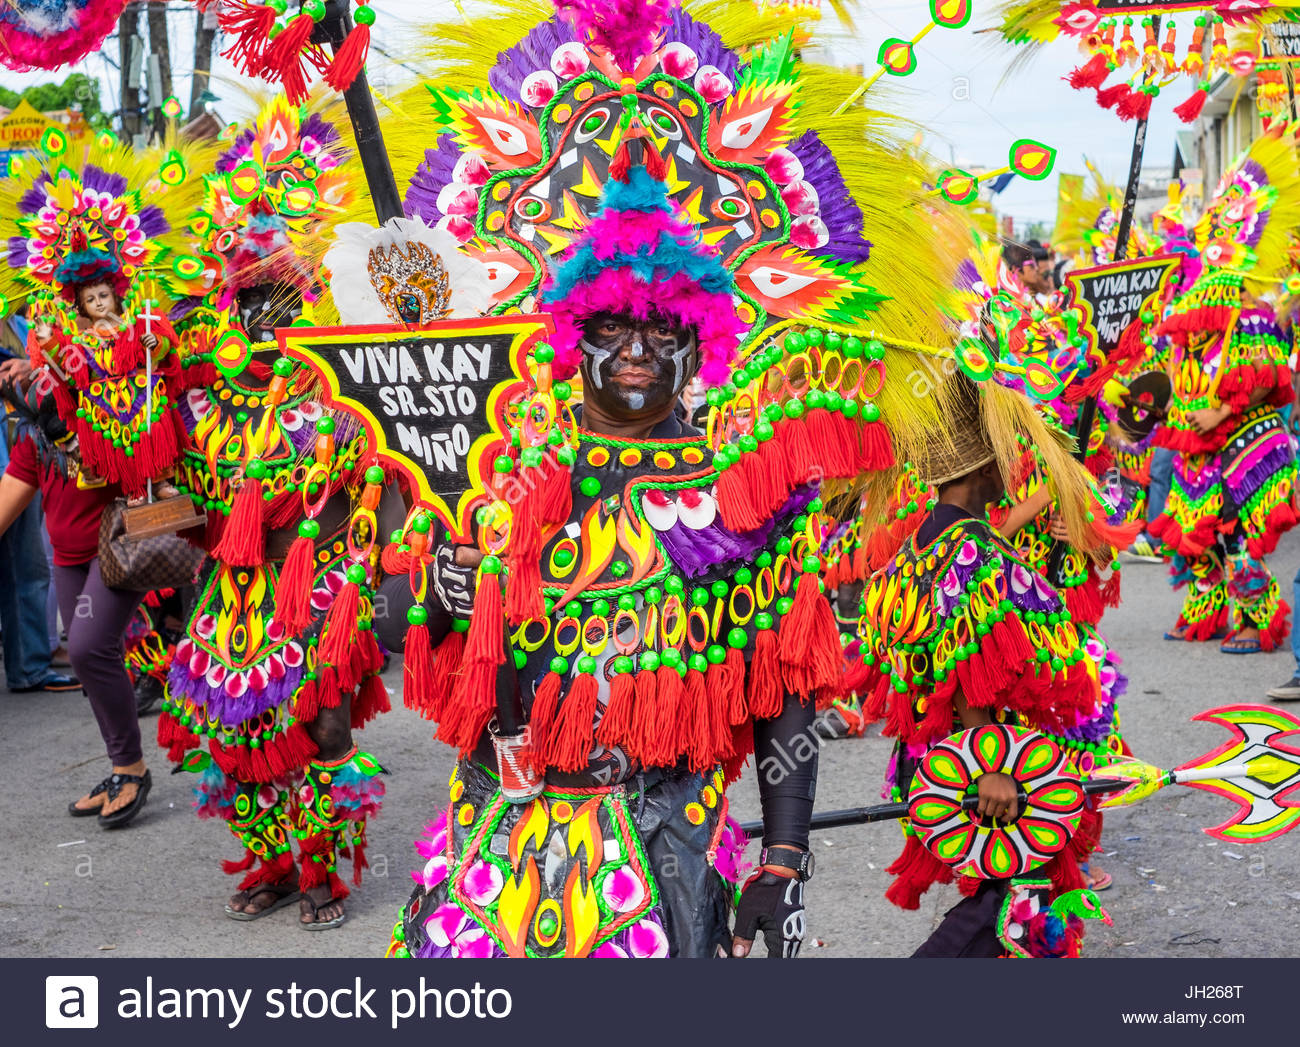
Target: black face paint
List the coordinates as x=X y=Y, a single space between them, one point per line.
x=634 y=367
x=265 y=307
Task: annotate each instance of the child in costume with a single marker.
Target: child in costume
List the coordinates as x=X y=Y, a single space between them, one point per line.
x=959 y=632
x=1228 y=362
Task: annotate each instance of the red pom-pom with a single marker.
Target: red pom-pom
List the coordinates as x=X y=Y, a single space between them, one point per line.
x=417 y=673
x=1189 y=110
x=1109 y=97
x=349 y=59
x=1136 y=105
x=284 y=58
x=1093 y=74
x=250 y=25
x=572 y=740
x=340 y=629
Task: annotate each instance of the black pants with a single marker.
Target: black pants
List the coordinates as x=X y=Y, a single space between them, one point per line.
x=969 y=928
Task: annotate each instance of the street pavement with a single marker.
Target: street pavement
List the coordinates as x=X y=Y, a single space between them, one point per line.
x=156 y=889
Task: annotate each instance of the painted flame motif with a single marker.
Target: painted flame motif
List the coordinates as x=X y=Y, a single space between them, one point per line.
x=637 y=539
x=241 y=606
x=502 y=132
x=532 y=826
x=581 y=915
x=584 y=831
x=599 y=540
x=754 y=121
x=516 y=905
x=900 y=614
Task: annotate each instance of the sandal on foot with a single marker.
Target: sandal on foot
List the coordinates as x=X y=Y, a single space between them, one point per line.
x=290 y=894
x=1100 y=883
x=1251 y=647
x=120 y=818
x=86 y=812
x=321 y=925
x=1174 y=636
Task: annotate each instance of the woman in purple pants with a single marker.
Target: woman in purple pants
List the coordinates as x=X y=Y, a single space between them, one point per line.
x=95 y=615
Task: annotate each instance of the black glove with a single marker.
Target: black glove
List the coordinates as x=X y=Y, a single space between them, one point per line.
x=774 y=905
x=453 y=584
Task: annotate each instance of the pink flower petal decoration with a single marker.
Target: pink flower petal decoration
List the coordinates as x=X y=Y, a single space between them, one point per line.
x=783 y=167
x=679 y=61
x=646 y=940
x=539 y=88
x=621 y=890
x=610 y=951
x=471 y=169
x=434 y=872
x=713 y=84
x=446 y=923
x=483 y=882
x=472 y=944
x=569 y=60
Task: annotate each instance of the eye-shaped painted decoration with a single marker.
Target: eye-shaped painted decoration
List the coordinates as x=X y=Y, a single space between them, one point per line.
x=591 y=123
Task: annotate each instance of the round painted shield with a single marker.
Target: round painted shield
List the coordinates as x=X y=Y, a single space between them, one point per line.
x=974 y=846
x=1148 y=396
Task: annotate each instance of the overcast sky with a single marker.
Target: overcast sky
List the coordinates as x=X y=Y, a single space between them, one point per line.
x=958 y=92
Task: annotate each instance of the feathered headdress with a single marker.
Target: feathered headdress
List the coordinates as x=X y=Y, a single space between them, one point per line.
x=271 y=188
x=1243 y=236
x=638 y=255
x=103 y=212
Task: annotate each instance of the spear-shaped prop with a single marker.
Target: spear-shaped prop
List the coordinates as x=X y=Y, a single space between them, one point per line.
x=897 y=56
x=1259 y=767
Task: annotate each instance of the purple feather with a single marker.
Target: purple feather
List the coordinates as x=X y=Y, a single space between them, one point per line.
x=706 y=44
x=34 y=199
x=153 y=222
x=17 y=252
x=317 y=127
x=232 y=157
x=838 y=210
x=430 y=177
x=103 y=181
x=696 y=552
x=530 y=55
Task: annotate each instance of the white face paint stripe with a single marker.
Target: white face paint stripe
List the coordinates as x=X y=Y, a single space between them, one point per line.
x=598 y=357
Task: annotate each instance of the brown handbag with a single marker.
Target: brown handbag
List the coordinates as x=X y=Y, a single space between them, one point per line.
x=164 y=561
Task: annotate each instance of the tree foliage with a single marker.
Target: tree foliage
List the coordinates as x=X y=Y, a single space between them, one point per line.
x=77 y=90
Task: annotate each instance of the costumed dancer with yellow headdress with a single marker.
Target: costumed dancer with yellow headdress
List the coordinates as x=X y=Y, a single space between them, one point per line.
x=1228 y=360
x=279 y=664
x=673 y=209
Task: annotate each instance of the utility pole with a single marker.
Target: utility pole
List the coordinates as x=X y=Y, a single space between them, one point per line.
x=205 y=36
x=131 y=56
x=160 y=67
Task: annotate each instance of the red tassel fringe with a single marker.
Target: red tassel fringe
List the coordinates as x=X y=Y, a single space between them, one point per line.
x=243 y=539
x=293 y=588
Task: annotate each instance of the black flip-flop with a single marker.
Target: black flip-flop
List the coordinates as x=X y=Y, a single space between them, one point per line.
x=120 y=818
x=317 y=925
x=252 y=892
x=86 y=812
